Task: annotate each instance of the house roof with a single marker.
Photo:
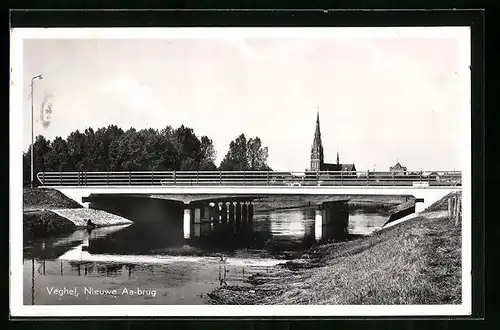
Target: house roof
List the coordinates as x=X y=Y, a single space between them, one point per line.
x=397 y=166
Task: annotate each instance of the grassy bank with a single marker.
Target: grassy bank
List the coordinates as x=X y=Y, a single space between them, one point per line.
x=39 y=199
x=415 y=262
x=38 y=219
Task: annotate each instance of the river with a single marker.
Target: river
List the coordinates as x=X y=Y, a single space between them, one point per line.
x=136 y=265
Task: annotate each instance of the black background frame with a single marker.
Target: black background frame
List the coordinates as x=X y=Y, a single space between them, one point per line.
x=199 y=17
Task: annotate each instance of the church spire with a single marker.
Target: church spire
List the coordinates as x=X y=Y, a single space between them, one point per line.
x=317 y=132
x=338 y=159
x=317 y=148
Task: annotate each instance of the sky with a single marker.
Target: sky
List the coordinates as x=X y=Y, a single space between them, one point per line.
x=380 y=99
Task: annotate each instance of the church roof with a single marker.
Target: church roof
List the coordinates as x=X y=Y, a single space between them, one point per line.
x=348 y=167
x=339 y=167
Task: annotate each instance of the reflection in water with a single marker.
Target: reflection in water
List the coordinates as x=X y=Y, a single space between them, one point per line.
x=149 y=257
x=363 y=224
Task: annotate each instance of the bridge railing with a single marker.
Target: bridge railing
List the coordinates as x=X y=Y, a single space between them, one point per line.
x=250 y=178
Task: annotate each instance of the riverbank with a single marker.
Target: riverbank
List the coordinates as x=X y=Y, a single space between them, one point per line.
x=415 y=262
x=48 y=212
x=46 y=199
x=377 y=203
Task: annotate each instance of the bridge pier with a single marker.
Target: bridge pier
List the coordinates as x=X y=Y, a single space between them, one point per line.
x=205 y=221
x=197 y=222
x=186 y=223
x=250 y=212
x=214 y=216
x=238 y=213
x=231 y=213
x=224 y=213
x=237 y=221
x=217 y=218
x=332 y=220
x=244 y=213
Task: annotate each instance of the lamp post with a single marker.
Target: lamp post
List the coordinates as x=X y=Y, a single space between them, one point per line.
x=32 y=130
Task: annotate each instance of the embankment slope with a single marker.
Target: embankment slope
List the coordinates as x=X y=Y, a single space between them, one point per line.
x=414 y=262
x=48 y=212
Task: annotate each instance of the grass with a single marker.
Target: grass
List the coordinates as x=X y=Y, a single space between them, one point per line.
x=415 y=262
x=42 y=198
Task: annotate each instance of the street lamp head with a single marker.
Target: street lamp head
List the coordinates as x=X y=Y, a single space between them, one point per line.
x=37 y=77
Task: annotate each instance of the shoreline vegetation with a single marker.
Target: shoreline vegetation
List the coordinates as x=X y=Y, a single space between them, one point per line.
x=415 y=262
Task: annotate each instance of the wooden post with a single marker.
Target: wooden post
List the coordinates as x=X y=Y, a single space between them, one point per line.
x=174 y=178
x=129 y=178
x=107 y=178
x=342 y=178
x=457 y=213
x=152 y=178
x=268 y=178
x=220 y=178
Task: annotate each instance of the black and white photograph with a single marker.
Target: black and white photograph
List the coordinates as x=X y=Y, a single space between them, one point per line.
x=240 y=171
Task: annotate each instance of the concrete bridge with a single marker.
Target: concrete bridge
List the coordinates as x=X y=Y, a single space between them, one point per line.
x=426 y=186
x=224 y=199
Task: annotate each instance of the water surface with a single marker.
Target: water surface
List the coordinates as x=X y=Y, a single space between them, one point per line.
x=146 y=264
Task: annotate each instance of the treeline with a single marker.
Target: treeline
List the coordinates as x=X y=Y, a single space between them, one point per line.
x=112 y=149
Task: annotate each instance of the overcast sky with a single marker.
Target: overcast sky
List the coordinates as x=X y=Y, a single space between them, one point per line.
x=380 y=99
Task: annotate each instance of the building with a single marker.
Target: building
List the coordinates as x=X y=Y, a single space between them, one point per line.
x=398 y=169
x=317 y=156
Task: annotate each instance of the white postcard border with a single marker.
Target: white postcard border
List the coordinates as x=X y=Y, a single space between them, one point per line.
x=15 y=135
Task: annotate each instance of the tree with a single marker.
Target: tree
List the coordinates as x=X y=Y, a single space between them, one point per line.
x=91 y=150
x=245 y=155
x=257 y=155
x=76 y=150
x=41 y=151
x=128 y=151
x=112 y=149
x=58 y=158
x=208 y=155
x=189 y=148
x=236 y=158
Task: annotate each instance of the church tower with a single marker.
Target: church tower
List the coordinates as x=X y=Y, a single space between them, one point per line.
x=317 y=149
